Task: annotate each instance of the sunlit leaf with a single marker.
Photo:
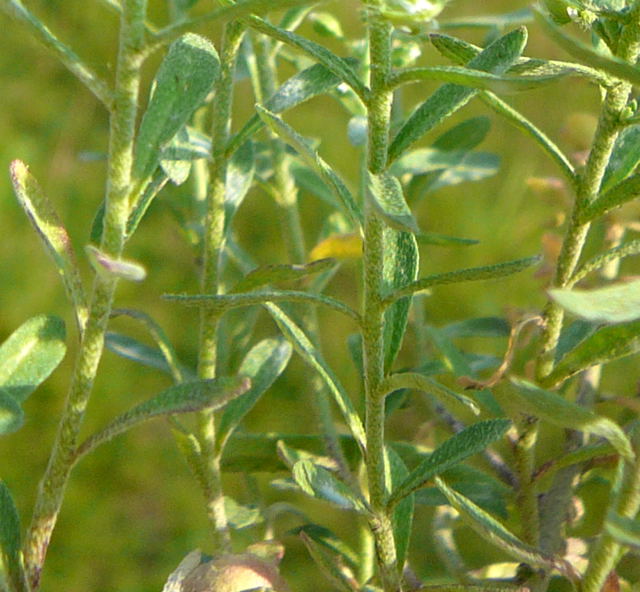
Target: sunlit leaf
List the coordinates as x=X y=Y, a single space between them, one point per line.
x=181 y=398
x=178 y=154
x=262 y=365
x=558 y=411
x=240 y=516
x=399 y=269
x=30 y=354
x=320 y=483
x=269 y=274
x=385 y=193
x=618 y=195
x=45 y=220
x=10 y=551
x=462 y=445
x=107 y=266
x=185 y=77
x=605 y=344
x=496 y=58
x=619 y=303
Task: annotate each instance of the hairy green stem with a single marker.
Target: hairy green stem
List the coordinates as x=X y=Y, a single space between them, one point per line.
x=122 y=132
x=527 y=498
x=212 y=249
x=379 y=114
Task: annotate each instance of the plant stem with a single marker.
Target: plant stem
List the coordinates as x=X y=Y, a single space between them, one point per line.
x=527 y=499
x=212 y=249
x=379 y=114
x=122 y=133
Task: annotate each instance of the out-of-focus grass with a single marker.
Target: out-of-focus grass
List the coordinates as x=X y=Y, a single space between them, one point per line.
x=132 y=510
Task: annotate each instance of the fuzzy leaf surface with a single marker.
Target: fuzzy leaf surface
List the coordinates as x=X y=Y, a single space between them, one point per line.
x=262 y=365
x=402 y=518
x=387 y=198
x=445 y=101
x=471 y=440
x=53 y=234
x=624 y=158
x=30 y=354
x=618 y=195
x=185 y=77
x=240 y=174
x=269 y=274
x=566 y=414
x=605 y=344
x=619 y=303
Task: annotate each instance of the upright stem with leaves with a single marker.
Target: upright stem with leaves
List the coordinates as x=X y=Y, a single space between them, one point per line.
x=122 y=133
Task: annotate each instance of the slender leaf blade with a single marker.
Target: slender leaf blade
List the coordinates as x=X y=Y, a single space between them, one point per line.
x=11 y=414
x=385 y=193
x=566 y=414
x=30 y=354
x=312 y=356
x=328 y=565
x=53 y=234
x=238 y=182
x=625 y=531
x=262 y=365
x=618 y=195
x=10 y=546
x=496 y=58
x=269 y=274
x=473 y=439
x=619 y=303
x=624 y=158
x=185 y=77
x=320 y=483
x=402 y=518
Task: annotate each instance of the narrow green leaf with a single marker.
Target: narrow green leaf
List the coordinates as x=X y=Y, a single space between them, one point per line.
x=30 y=354
x=11 y=414
x=402 y=518
x=612 y=65
x=413 y=380
x=179 y=153
x=602 y=259
x=464 y=136
x=10 y=550
x=301 y=87
x=338 y=66
x=475 y=79
x=106 y=266
x=320 y=483
x=185 y=77
x=399 y=268
x=182 y=398
x=311 y=157
x=47 y=224
x=262 y=365
x=618 y=195
x=478 y=327
x=224 y=302
x=472 y=274
x=270 y=274
x=136 y=351
x=604 y=345
x=623 y=530
x=496 y=58
x=492 y=531
x=624 y=158
x=240 y=174
x=324 y=537
x=618 y=303
x=329 y=566
x=312 y=356
x=138 y=209
x=566 y=414
x=442 y=240
x=385 y=193
x=470 y=441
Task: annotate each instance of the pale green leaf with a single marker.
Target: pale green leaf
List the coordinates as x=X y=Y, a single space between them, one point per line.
x=618 y=303
x=463 y=136
x=625 y=531
x=240 y=175
x=558 y=411
x=182 y=398
x=442 y=240
x=240 y=516
x=107 y=266
x=136 y=351
x=301 y=87
x=30 y=354
x=10 y=551
x=624 y=158
x=269 y=274
x=320 y=483
x=602 y=259
x=413 y=380
x=311 y=158
x=472 y=274
x=47 y=224
x=138 y=209
x=399 y=268
x=185 y=77
x=312 y=356
x=604 y=345
x=616 y=196
x=385 y=193
x=470 y=441
x=262 y=365
x=402 y=519
x=493 y=531
x=178 y=154
x=11 y=414
x=496 y=58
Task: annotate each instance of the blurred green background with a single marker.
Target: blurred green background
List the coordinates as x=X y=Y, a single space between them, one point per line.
x=132 y=510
